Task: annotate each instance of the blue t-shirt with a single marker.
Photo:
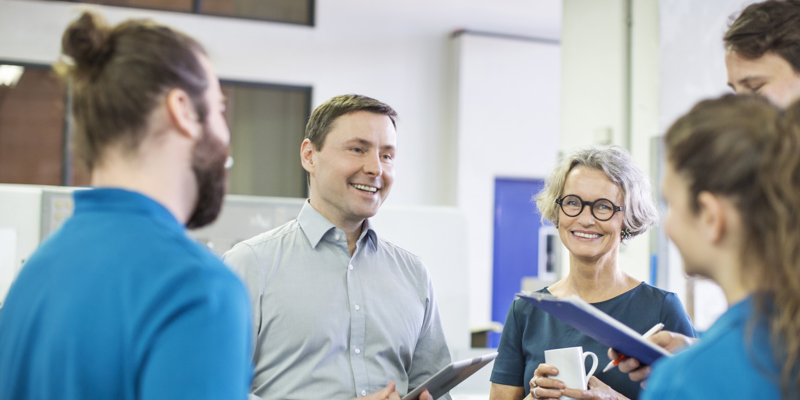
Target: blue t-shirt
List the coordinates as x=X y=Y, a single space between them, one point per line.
x=529 y=331
x=725 y=364
x=119 y=303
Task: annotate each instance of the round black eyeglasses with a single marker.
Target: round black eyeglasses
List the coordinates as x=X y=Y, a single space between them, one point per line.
x=602 y=209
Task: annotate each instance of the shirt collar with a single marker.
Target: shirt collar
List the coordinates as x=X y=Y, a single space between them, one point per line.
x=734 y=315
x=369 y=231
x=315 y=226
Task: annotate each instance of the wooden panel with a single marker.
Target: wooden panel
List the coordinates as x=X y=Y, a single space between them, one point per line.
x=173 y=5
x=294 y=11
x=31 y=129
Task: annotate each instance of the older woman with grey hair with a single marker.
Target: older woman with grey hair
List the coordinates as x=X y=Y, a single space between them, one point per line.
x=598 y=199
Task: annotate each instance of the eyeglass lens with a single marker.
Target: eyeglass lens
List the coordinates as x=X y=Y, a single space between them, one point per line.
x=601 y=209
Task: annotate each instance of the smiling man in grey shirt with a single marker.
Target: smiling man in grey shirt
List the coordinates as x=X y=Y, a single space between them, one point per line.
x=339 y=311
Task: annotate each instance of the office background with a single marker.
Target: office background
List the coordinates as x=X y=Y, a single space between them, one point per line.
x=485 y=90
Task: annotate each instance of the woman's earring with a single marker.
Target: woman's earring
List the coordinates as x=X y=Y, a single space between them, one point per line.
x=626 y=234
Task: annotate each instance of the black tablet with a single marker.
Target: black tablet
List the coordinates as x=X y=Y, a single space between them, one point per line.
x=450 y=376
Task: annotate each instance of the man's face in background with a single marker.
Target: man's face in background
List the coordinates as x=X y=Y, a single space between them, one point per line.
x=770 y=76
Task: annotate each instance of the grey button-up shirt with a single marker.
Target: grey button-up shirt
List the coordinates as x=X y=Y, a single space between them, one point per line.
x=329 y=326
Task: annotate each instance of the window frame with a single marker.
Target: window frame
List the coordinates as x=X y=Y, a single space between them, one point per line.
x=66 y=130
x=309 y=90
x=197 y=6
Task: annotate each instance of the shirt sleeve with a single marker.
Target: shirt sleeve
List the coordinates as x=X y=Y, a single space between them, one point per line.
x=674 y=316
x=431 y=353
x=197 y=343
x=509 y=366
x=244 y=261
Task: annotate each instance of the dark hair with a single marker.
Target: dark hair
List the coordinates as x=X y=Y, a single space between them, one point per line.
x=119 y=75
x=742 y=148
x=773 y=25
x=322 y=119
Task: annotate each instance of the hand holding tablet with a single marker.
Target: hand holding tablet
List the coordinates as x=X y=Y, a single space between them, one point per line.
x=449 y=377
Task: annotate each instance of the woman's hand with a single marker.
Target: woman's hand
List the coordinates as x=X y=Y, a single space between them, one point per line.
x=637 y=372
x=543 y=387
x=597 y=391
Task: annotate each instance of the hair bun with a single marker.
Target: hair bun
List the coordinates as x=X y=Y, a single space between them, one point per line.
x=87 y=41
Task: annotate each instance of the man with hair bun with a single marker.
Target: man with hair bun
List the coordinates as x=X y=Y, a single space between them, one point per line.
x=119 y=303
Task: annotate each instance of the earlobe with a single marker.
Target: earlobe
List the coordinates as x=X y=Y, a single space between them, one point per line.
x=182 y=113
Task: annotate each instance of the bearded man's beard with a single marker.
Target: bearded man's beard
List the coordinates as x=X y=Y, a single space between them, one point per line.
x=208 y=164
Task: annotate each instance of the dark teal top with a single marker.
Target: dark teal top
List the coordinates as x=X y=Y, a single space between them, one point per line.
x=727 y=363
x=120 y=304
x=529 y=331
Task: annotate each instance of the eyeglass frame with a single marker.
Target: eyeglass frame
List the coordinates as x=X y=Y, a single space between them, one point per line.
x=614 y=207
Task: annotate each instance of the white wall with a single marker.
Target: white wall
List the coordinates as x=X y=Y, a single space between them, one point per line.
x=593 y=72
x=508 y=126
x=693 y=69
x=692 y=53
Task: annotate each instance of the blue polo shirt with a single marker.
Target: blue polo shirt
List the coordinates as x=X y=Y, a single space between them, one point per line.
x=734 y=359
x=120 y=304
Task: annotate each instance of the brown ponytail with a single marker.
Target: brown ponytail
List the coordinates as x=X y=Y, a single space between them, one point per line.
x=741 y=147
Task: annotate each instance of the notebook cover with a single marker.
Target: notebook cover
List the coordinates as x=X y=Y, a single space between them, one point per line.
x=598 y=325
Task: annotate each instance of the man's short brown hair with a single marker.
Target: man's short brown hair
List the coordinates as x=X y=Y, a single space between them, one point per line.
x=323 y=118
x=120 y=74
x=773 y=25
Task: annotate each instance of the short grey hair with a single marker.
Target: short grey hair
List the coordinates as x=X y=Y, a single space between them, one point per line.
x=640 y=210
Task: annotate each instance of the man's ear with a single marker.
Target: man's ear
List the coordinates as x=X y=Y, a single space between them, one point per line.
x=307 y=156
x=182 y=113
x=713 y=216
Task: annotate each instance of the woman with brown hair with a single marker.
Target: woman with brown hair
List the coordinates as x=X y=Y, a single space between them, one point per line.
x=732 y=180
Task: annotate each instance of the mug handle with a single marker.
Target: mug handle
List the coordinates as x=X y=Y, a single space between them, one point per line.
x=594 y=363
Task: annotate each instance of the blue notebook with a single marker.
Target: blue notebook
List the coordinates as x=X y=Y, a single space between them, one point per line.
x=579 y=314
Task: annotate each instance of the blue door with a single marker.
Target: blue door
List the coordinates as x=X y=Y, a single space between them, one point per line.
x=516 y=242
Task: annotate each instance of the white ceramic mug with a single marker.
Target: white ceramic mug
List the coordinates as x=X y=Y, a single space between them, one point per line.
x=571 y=364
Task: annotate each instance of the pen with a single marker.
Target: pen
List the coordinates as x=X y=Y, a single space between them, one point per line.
x=655 y=329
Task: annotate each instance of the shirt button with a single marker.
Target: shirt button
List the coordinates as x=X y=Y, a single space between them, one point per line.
x=358 y=351
x=363 y=392
x=350 y=267
x=336 y=237
x=358 y=307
